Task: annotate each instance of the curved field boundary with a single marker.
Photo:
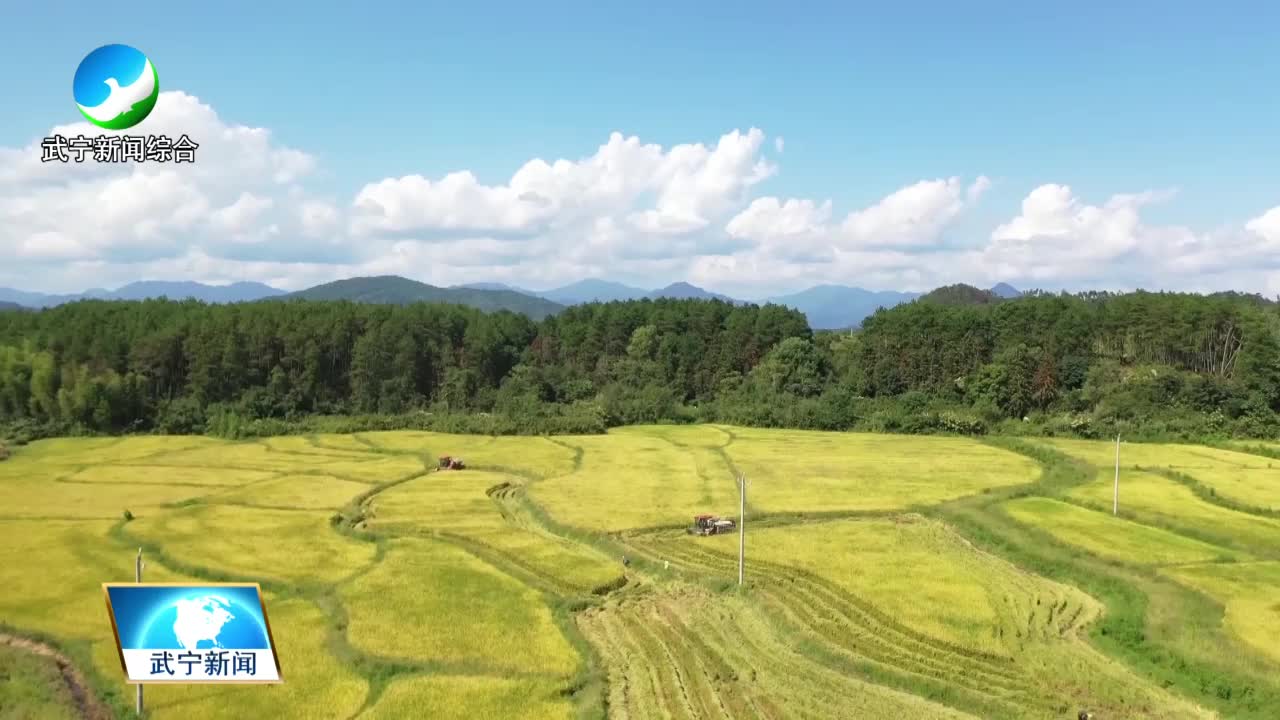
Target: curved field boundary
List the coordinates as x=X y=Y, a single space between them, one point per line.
x=585 y=689
x=1208 y=494
x=689 y=654
x=1151 y=627
x=87 y=704
x=832 y=616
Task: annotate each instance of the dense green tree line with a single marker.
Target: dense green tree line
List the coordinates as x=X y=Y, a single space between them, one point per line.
x=1160 y=364
x=182 y=366
x=1198 y=365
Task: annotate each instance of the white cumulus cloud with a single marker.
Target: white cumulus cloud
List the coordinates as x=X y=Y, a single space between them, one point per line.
x=916 y=215
x=692 y=186
x=627 y=209
x=1267 y=227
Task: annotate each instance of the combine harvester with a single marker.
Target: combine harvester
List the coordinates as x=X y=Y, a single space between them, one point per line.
x=710 y=525
x=448 y=462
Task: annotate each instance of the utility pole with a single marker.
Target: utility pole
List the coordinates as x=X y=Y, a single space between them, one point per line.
x=1115 y=497
x=137 y=577
x=742 y=523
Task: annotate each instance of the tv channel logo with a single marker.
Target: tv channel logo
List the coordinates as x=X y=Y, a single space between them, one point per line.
x=116 y=87
x=185 y=633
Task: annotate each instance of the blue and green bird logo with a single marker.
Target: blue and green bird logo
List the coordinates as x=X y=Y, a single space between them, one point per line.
x=116 y=87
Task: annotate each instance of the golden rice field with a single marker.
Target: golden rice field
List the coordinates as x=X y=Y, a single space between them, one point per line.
x=1111 y=537
x=886 y=576
x=1252 y=480
x=1248 y=590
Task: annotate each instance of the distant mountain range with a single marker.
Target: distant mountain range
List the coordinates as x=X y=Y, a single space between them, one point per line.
x=969 y=295
x=395 y=290
x=836 y=307
x=235 y=292
x=1006 y=291
x=595 y=290
x=828 y=307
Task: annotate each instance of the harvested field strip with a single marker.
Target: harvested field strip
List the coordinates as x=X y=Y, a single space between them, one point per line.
x=811 y=688
x=706 y=667
x=830 y=682
x=952 y=593
x=675 y=695
x=834 y=617
x=856 y=622
x=831 y=631
x=645 y=671
x=705 y=559
x=689 y=654
x=632 y=682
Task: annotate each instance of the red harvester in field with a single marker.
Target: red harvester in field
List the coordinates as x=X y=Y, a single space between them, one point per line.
x=448 y=462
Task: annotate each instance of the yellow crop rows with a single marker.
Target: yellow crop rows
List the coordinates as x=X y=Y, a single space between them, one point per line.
x=399 y=590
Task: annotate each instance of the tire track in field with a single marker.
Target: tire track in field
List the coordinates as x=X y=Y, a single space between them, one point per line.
x=705 y=475
x=845 y=625
x=719 y=661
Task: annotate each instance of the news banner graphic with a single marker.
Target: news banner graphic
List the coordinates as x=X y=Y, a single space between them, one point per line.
x=116 y=88
x=184 y=633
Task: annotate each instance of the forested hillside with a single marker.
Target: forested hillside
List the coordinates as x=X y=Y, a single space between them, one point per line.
x=395 y=290
x=1154 y=364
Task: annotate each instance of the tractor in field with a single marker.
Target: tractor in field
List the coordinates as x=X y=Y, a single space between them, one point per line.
x=448 y=462
x=710 y=525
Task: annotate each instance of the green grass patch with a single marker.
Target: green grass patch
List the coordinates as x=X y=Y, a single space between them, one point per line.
x=32 y=688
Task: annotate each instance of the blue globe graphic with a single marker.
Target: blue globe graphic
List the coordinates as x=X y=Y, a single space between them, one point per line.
x=243 y=630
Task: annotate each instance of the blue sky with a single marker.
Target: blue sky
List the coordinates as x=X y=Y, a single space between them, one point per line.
x=1105 y=98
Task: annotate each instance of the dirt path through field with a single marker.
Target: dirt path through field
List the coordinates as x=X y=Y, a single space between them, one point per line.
x=87 y=704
